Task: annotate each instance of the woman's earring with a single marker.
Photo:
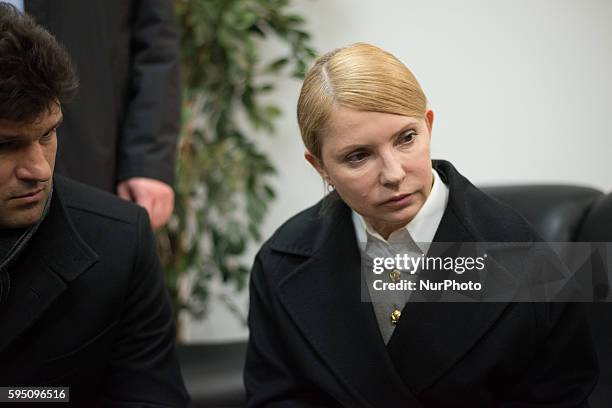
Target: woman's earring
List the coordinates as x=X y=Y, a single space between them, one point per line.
x=330 y=187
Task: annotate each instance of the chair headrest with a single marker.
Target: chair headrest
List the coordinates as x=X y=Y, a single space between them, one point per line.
x=597 y=225
x=555 y=211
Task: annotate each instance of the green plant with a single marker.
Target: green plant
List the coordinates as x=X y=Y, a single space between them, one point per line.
x=223 y=180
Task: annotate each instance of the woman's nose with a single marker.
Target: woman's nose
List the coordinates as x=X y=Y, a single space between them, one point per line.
x=33 y=164
x=392 y=172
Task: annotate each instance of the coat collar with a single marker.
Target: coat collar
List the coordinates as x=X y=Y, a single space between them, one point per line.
x=323 y=296
x=55 y=256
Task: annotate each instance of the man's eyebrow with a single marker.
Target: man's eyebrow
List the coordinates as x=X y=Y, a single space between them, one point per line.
x=8 y=137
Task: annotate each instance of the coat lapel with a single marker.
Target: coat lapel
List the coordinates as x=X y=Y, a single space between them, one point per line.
x=323 y=297
x=431 y=336
x=55 y=256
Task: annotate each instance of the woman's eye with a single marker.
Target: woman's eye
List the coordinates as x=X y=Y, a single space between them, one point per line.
x=356 y=157
x=406 y=137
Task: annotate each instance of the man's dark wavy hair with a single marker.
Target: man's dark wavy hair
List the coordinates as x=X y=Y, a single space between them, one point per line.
x=36 y=72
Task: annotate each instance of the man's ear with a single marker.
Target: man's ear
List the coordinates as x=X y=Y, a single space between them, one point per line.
x=429 y=116
x=317 y=164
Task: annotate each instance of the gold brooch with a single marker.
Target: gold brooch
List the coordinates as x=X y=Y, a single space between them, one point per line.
x=395 y=316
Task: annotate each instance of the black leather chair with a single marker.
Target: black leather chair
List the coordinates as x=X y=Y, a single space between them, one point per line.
x=560 y=213
x=213 y=374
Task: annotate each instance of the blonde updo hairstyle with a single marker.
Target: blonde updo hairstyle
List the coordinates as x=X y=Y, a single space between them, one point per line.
x=359 y=76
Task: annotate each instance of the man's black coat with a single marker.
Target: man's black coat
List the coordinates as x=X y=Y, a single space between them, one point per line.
x=88 y=307
x=314 y=343
x=125 y=121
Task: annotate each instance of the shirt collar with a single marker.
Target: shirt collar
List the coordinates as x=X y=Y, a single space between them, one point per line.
x=422 y=228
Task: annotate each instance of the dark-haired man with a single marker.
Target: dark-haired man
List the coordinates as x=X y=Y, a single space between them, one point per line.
x=82 y=300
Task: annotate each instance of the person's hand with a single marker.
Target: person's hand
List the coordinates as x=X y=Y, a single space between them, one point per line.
x=155 y=196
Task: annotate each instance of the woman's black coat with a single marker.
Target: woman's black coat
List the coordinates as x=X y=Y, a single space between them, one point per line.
x=314 y=343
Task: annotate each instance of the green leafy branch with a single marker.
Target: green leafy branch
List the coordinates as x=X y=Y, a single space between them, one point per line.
x=223 y=186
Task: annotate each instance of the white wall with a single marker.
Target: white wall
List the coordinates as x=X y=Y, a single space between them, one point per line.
x=521 y=91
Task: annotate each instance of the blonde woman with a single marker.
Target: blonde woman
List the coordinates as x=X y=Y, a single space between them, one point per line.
x=366 y=126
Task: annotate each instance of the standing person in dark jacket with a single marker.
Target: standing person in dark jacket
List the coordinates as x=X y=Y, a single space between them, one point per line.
x=120 y=133
x=82 y=298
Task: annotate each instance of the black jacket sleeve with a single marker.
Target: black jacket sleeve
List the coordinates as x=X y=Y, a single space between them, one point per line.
x=152 y=120
x=144 y=367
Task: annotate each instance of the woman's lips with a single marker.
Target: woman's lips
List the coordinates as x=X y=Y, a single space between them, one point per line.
x=400 y=200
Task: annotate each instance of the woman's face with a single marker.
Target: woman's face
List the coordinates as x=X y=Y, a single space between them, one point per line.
x=378 y=163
